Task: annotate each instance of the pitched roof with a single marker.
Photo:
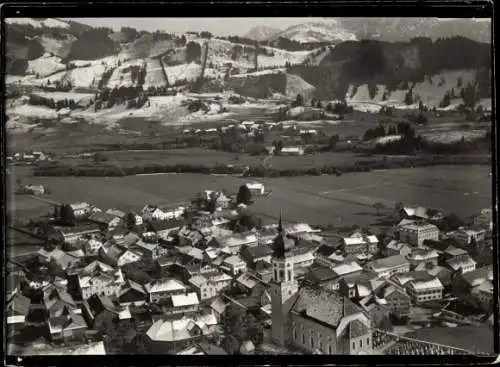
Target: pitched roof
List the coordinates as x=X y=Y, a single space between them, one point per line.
x=198 y=280
x=320 y=274
x=325 y=250
x=162 y=225
x=102 y=217
x=167 y=285
x=18 y=305
x=259 y=251
x=325 y=306
x=389 y=262
x=180 y=300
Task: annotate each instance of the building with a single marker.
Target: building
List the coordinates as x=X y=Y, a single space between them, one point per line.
x=253 y=254
x=118 y=256
x=17 y=309
x=60 y=258
x=256 y=188
x=466 y=282
x=423 y=290
x=415 y=234
x=152 y=212
x=149 y=250
x=234 y=264
x=72 y=235
x=420 y=213
x=167 y=336
x=184 y=304
x=457 y=259
x=292 y=150
x=164 y=289
x=100 y=311
x=57 y=301
x=203 y=287
x=189 y=237
x=397 y=301
x=133 y=293
x=484 y=219
x=220 y=200
x=484 y=293
x=388 y=266
x=464 y=236
x=164 y=228
x=34 y=189
x=395 y=247
x=309 y=318
x=81 y=210
x=105 y=220
x=70 y=326
x=422 y=256
x=359 y=243
x=221 y=280
x=99 y=278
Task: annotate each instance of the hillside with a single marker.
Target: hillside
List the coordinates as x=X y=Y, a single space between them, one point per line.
x=397 y=66
x=261 y=33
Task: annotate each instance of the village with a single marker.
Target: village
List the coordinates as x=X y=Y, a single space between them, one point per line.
x=206 y=277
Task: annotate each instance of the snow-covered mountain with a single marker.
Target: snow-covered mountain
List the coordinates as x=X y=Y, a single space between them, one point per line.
x=261 y=33
x=319 y=30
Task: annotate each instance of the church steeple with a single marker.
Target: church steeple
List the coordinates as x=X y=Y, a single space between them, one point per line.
x=280 y=225
x=279 y=241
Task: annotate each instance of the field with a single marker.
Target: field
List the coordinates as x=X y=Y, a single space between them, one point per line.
x=339 y=201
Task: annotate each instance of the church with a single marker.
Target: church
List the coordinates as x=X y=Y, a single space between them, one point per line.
x=311 y=319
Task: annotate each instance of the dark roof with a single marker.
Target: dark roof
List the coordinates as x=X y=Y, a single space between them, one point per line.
x=98 y=304
x=15 y=237
x=12 y=282
x=79 y=229
x=211 y=349
x=18 y=305
x=259 y=251
x=102 y=217
x=161 y=225
x=325 y=250
x=325 y=306
x=357 y=328
x=320 y=274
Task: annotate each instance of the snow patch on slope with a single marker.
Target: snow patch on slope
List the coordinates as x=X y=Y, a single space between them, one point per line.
x=45 y=65
x=47 y=23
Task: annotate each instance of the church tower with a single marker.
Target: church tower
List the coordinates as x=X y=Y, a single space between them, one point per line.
x=283 y=286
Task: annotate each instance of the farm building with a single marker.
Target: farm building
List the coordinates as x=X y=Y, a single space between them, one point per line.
x=255 y=188
x=292 y=151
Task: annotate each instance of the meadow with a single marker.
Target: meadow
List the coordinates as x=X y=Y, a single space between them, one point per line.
x=323 y=200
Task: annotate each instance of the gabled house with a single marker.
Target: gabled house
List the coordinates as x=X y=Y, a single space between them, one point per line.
x=388 y=266
x=149 y=250
x=420 y=213
x=395 y=299
x=105 y=220
x=457 y=259
x=17 y=309
x=81 y=210
x=101 y=310
x=220 y=200
x=464 y=236
x=203 y=287
x=118 y=256
x=116 y=213
x=221 y=280
x=164 y=228
x=484 y=219
x=163 y=289
x=253 y=254
x=152 y=212
x=57 y=301
x=422 y=256
x=234 y=264
x=63 y=259
x=189 y=237
x=184 y=303
x=359 y=242
x=395 y=247
x=99 y=278
x=69 y=326
x=72 y=235
x=133 y=293
x=219 y=305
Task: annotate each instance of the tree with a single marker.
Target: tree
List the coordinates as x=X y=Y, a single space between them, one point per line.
x=334 y=139
x=244 y=195
x=299 y=101
x=231 y=345
x=100 y=157
x=378 y=207
x=130 y=220
x=278 y=145
x=67 y=215
x=193 y=51
x=474 y=246
x=409 y=97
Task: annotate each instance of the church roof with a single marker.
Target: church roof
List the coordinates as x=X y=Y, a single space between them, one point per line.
x=282 y=243
x=323 y=305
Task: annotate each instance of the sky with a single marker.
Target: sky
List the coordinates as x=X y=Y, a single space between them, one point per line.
x=217 y=26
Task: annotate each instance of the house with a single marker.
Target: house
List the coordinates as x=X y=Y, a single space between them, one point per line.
x=220 y=200
x=247 y=282
x=252 y=254
x=256 y=188
x=236 y=241
x=81 y=210
x=17 y=309
x=148 y=250
x=57 y=301
x=376 y=310
x=484 y=219
x=99 y=278
x=69 y=326
x=118 y=256
x=328 y=256
x=59 y=257
x=464 y=236
x=465 y=282
x=40 y=156
x=165 y=288
x=105 y=220
x=101 y=310
x=292 y=151
x=185 y=304
x=234 y=264
x=164 y=228
x=358 y=243
x=117 y=213
x=423 y=290
x=34 y=189
x=415 y=234
x=92 y=246
x=420 y=213
x=203 y=287
x=397 y=301
x=359 y=285
x=221 y=280
x=484 y=293
x=388 y=266
x=174 y=212
x=73 y=235
x=132 y=293
x=395 y=247
x=218 y=306
x=189 y=237
x=457 y=259
x=203 y=349
x=171 y=336
x=247 y=347
x=152 y=212
x=422 y=256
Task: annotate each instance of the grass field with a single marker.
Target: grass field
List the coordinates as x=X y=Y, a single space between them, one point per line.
x=339 y=201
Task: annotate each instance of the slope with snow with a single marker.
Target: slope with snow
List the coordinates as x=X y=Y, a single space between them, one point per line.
x=154 y=74
x=190 y=72
x=57 y=46
x=326 y=30
x=45 y=65
x=262 y=33
x=122 y=75
x=46 y=23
